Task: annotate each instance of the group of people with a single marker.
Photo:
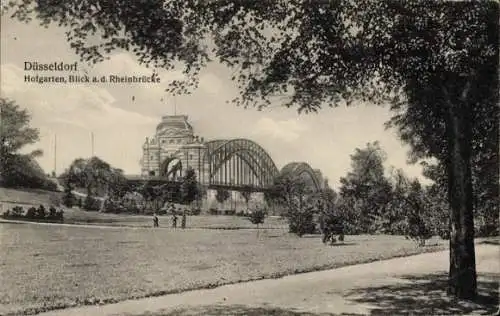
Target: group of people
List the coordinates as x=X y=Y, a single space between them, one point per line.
x=156 y=221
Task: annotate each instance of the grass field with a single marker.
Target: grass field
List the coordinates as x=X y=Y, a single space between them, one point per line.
x=10 y=197
x=27 y=198
x=52 y=266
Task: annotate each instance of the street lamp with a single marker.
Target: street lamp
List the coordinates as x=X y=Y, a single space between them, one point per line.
x=231 y=181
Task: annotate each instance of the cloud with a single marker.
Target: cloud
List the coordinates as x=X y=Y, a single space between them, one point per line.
x=286 y=130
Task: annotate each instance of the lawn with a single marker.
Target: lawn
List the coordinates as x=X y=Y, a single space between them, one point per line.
x=52 y=266
x=27 y=198
x=77 y=216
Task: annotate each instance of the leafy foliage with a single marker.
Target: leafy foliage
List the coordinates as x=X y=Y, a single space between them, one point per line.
x=222 y=195
x=246 y=192
x=96 y=176
x=299 y=201
x=257 y=215
x=190 y=190
x=366 y=189
x=33 y=213
x=18 y=169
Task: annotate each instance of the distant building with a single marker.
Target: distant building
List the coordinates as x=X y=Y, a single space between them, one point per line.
x=174 y=147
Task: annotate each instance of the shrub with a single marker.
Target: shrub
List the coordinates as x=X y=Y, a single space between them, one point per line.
x=111 y=206
x=257 y=216
x=17 y=211
x=488 y=230
x=52 y=212
x=213 y=211
x=6 y=214
x=69 y=199
x=40 y=212
x=416 y=229
x=229 y=212
x=195 y=211
x=301 y=222
x=91 y=204
x=60 y=215
x=31 y=213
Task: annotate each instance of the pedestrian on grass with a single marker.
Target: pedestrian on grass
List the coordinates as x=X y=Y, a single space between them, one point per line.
x=183 y=222
x=174 y=221
x=155 y=221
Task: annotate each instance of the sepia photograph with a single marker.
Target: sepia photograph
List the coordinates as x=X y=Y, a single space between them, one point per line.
x=249 y=157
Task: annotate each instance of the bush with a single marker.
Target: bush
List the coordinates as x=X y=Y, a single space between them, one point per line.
x=111 y=206
x=301 y=222
x=195 y=212
x=488 y=230
x=91 y=204
x=69 y=200
x=52 y=212
x=31 y=213
x=213 y=211
x=40 y=212
x=34 y=213
x=229 y=212
x=257 y=217
x=17 y=211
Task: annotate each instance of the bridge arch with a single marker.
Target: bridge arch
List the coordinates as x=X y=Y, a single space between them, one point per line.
x=171 y=168
x=300 y=169
x=239 y=162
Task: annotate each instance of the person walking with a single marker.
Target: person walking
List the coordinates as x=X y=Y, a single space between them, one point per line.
x=183 y=222
x=155 y=221
x=174 y=221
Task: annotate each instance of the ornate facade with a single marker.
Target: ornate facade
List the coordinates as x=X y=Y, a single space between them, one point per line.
x=173 y=148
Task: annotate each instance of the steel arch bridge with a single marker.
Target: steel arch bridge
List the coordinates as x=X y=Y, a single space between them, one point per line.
x=238 y=162
x=302 y=169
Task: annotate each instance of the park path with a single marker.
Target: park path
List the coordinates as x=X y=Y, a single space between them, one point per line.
x=397 y=286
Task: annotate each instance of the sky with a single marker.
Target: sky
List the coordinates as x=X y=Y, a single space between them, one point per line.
x=121 y=116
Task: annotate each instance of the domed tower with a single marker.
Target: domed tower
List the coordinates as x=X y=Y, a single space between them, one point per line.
x=171 y=144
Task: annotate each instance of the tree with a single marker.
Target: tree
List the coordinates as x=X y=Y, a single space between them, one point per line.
x=19 y=169
x=189 y=187
x=367 y=187
x=155 y=196
x=222 y=195
x=246 y=192
x=97 y=177
x=257 y=216
x=15 y=132
x=299 y=201
x=440 y=58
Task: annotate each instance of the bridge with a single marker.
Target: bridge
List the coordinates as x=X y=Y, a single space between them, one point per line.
x=232 y=164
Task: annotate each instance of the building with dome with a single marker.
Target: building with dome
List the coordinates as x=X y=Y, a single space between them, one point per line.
x=174 y=147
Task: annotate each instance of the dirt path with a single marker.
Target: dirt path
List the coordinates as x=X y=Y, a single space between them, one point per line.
x=398 y=286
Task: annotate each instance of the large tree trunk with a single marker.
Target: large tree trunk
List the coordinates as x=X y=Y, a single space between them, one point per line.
x=462 y=273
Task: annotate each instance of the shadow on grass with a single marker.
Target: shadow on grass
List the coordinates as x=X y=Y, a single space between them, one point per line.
x=426 y=295
x=342 y=244
x=229 y=310
x=490 y=242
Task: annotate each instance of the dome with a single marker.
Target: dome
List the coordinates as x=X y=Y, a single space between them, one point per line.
x=174 y=125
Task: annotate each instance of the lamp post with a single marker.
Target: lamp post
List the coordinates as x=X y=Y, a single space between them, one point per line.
x=232 y=193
